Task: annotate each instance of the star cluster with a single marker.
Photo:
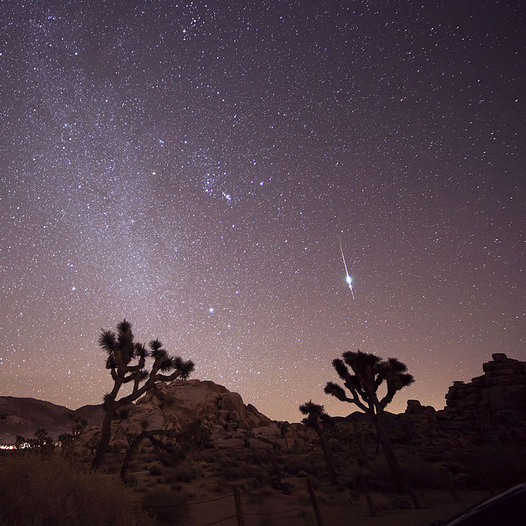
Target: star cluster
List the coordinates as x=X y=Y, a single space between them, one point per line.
x=193 y=167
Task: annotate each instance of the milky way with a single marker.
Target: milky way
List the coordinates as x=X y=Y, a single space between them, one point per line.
x=192 y=167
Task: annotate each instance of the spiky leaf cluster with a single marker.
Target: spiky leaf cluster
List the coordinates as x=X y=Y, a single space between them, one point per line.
x=362 y=375
x=316 y=417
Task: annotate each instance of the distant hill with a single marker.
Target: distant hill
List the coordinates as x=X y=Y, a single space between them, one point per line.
x=23 y=416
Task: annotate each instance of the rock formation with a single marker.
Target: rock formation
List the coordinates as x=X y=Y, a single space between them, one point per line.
x=490 y=407
x=231 y=424
x=495 y=401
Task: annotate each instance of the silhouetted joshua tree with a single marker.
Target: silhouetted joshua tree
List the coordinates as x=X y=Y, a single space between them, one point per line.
x=126 y=362
x=370 y=372
x=321 y=422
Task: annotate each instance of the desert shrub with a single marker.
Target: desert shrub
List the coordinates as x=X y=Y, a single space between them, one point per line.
x=208 y=457
x=174 y=458
x=123 y=413
x=231 y=462
x=423 y=474
x=387 y=502
x=286 y=488
x=167 y=507
x=496 y=465
x=184 y=473
x=255 y=484
x=169 y=402
x=258 y=458
x=54 y=492
x=132 y=481
x=111 y=468
x=233 y=473
x=296 y=463
x=258 y=473
x=229 y=468
x=154 y=471
x=195 y=435
x=218 y=488
x=144 y=423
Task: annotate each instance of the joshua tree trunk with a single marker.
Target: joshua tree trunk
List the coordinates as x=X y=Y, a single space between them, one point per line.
x=396 y=471
x=134 y=446
x=327 y=453
x=105 y=435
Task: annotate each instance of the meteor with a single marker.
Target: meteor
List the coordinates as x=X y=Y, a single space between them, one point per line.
x=348 y=278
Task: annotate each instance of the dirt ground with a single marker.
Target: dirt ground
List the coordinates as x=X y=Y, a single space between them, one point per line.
x=337 y=508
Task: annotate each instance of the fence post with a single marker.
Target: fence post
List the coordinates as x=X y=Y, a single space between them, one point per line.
x=239 y=507
x=314 y=502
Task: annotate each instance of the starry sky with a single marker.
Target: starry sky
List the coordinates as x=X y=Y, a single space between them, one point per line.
x=193 y=167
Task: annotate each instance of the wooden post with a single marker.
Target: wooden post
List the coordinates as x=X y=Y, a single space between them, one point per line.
x=239 y=507
x=314 y=502
x=365 y=488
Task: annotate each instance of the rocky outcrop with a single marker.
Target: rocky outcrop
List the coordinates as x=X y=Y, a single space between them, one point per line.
x=231 y=424
x=496 y=400
x=491 y=407
x=419 y=421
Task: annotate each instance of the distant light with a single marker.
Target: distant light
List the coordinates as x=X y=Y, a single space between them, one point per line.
x=211 y=310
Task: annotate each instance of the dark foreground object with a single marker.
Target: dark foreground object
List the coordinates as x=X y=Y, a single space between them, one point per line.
x=506 y=509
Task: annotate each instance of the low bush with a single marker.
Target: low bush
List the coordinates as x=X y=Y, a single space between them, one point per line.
x=52 y=491
x=184 y=473
x=154 y=471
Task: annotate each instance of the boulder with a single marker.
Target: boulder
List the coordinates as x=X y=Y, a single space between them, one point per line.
x=232 y=404
x=254 y=443
x=230 y=443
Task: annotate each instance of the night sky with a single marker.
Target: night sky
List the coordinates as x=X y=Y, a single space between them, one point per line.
x=194 y=166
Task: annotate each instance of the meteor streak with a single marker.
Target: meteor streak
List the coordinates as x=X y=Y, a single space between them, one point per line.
x=348 y=278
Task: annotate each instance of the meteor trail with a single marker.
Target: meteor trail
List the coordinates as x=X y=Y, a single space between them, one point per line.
x=348 y=278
